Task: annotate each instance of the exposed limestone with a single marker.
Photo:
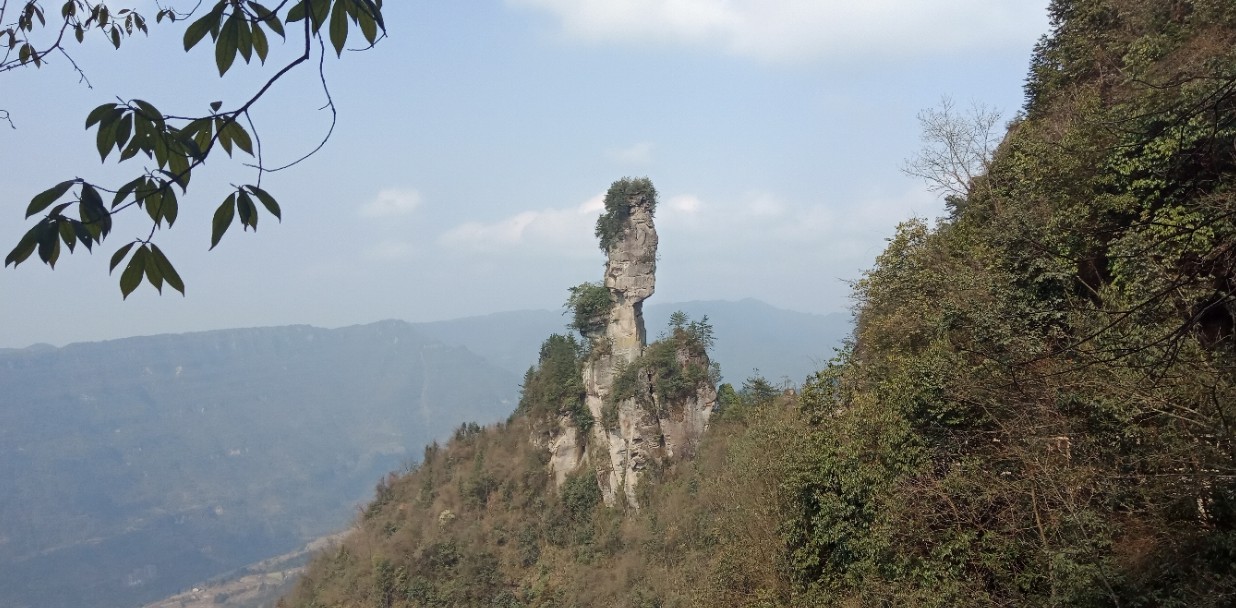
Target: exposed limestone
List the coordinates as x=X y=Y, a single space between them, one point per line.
x=566 y=450
x=636 y=436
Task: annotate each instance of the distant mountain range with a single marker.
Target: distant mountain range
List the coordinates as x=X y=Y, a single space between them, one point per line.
x=135 y=468
x=132 y=468
x=751 y=334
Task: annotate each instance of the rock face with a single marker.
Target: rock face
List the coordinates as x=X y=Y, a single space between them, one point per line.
x=628 y=434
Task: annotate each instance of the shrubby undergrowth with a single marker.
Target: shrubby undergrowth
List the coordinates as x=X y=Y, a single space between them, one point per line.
x=1036 y=407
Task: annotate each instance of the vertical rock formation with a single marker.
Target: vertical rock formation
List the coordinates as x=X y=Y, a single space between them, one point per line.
x=638 y=427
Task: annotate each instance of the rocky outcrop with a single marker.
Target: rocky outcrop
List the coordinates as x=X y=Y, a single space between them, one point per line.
x=630 y=432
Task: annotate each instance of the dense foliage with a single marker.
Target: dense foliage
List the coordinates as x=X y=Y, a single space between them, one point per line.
x=589 y=305
x=478 y=524
x=674 y=366
x=1035 y=409
x=556 y=386
x=618 y=207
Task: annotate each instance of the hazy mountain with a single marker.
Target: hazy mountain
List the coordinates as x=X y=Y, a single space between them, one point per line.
x=136 y=468
x=750 y=334
x=133 y=468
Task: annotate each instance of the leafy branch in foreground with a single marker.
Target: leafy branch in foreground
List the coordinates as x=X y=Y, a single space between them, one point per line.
x=74 y=211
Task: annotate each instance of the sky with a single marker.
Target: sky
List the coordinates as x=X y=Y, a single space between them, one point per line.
x=475 y=143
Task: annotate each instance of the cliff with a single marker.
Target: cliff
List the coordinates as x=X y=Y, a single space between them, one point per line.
x=639 y=424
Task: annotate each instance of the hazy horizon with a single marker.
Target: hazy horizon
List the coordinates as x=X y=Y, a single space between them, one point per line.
x=474 y=144
x=4 y=346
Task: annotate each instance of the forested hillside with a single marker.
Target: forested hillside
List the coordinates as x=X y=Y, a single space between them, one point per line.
x=1035 y=409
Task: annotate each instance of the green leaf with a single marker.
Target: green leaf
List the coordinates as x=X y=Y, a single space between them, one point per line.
x=106 y=138
x=97 y=114
x=223 y=219
x=198 y=29
x=244 y=40
x=45 y=198
x=369 y=27
x=296 y=13
x=339 y=27
x=150 y=113
x=93 y=213
x=268 y=201
x=154 y=275
x=24 y=248
x=119 y=255
x=225 y=138
x=260 y=45
x=67 y=235
x=132 y=275
x=320 y=10
x=132 y=149
x=160 y=150
x=126 y=190
x=201 y=130
x=83 y=235
x=227 y=44
x=124 y=130
x=171 y=207
x=247 y=211
x=90 y=196
x=240 y=137
x=166 y=269
x=49 y=243
x=179 y=165
x=153 y=203
x=268 y=17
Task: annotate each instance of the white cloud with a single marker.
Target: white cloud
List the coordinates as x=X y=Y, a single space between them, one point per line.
x=764 y=205
x=640 y=153
x=688 y=204
x=392 y=202
x=760 y=221
x=562 y=230
x=781 y=30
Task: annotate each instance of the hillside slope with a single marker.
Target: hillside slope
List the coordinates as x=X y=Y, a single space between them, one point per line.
x=1036 y=410
x=133 y=468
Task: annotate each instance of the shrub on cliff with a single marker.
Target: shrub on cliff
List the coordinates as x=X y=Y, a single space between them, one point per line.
x=589 y=305
x=618 y=207
x=555 y=386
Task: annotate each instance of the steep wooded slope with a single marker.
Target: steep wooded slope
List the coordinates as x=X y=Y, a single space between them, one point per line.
x=1035 y=411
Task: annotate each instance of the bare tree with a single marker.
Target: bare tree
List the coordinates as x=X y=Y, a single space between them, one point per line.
x=957 y=147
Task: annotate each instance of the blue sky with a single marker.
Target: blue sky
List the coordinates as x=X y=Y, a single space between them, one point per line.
x=474 y=143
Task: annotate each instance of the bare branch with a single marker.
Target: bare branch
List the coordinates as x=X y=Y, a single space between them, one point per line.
x=957 y=147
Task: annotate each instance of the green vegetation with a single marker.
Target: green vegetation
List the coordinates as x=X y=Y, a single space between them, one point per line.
x=173 y=145
x=589 y=305
x=1035 y=409
x=675 y=366
x=556 y=386
x=618 y=207
x=706 y=537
